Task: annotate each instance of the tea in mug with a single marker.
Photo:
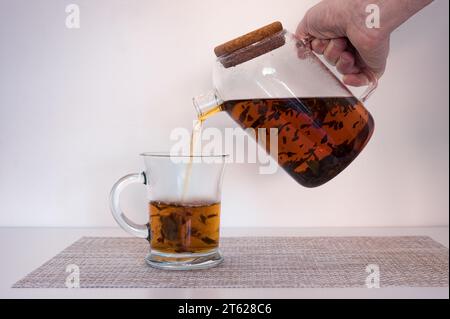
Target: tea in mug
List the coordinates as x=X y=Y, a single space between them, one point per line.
x=184 y=228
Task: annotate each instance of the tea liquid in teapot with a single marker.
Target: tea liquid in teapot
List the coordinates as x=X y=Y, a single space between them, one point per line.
x=317 y=137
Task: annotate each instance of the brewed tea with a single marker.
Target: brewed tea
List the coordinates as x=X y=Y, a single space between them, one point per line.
x=180 y=228
x=193 y=144
x=317 y=137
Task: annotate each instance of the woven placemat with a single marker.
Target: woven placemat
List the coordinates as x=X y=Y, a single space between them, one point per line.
x=256 y=262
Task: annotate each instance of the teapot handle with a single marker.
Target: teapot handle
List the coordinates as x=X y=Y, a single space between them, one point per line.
x=373 y=84
x=373 y=80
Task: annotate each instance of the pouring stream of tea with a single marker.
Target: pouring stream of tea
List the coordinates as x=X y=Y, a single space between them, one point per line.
x=195 y=140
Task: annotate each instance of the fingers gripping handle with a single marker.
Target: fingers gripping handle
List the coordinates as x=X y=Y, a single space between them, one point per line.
x=130 y=227
x=373 y=80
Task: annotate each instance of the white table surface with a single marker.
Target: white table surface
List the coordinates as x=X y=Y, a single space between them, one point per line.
x=24 y=249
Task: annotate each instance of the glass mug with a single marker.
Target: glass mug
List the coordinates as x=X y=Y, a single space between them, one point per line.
x=184 y=210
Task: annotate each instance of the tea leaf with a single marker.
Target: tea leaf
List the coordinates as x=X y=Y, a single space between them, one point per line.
x=288 y=154
x=259 y=122
x=169 y=227
x=149 y=230
x=244 y=114
x=314 y=166
x=277 y=115
x=195 y=232
x=208 y=241
x=159 y=205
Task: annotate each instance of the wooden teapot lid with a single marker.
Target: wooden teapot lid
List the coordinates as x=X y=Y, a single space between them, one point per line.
x=251 y=45
x=248 y=39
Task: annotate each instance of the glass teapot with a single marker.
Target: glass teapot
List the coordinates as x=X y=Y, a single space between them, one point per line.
x=271 y=79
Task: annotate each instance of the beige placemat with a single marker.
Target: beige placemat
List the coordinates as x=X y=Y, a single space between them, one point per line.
x=256 y=262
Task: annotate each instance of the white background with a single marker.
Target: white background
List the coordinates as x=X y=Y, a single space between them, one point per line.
x=78 y=106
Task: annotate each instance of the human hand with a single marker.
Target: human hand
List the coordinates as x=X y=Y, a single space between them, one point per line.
x=342 y=37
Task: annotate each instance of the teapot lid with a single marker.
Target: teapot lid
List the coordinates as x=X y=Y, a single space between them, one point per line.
x=251 y=45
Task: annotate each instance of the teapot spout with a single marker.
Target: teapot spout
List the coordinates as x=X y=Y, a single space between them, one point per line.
x=208 y=104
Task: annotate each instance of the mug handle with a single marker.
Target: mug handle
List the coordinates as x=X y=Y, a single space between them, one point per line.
x=130 y=227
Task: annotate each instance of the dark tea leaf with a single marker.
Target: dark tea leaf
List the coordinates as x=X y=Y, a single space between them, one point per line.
x=169 y=227
x=149 y=237
x=159 y=206
x=244 y=114
x=208 y=241
x=314 y=166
